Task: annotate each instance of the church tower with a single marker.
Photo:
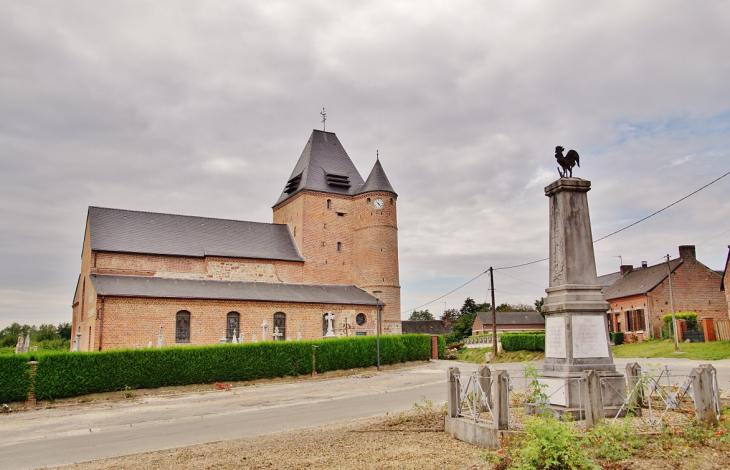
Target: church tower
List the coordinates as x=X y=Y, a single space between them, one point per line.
x=344 y=227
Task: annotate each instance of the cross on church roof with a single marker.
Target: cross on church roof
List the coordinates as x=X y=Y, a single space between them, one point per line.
x=324 y=119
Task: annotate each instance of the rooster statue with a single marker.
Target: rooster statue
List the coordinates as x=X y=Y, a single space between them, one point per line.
x=566 y=162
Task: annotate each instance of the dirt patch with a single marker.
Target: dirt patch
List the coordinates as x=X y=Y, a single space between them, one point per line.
x=411 y=440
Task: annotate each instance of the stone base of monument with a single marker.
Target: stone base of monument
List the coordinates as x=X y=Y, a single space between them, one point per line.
x=569 y=393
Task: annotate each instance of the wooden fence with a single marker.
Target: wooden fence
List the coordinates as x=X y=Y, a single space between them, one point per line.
x=722 y=330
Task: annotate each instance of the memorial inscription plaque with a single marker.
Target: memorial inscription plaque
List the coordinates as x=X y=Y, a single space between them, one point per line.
x=555 y=337
x=589 y=336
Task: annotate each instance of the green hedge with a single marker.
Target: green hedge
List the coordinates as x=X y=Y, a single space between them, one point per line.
x=617 y=338
x=71 y=374
x=14 y=377
x=441 y=347
x=523 y=341
x=690 y=317
x=348 y=353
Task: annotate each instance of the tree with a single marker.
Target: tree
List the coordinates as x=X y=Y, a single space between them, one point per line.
x=46 y=332
x=539 y=303
x=421 y=315
x=451 y=314
x=468 y=308
x=64 y=330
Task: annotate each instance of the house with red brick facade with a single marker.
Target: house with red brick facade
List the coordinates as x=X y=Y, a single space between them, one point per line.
x=508 y=321
x=329 y=261
x=639 y=298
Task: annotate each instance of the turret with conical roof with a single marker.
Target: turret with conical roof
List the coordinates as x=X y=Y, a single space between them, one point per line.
x=377 y=181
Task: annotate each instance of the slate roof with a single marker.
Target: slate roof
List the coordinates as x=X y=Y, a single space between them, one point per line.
x=640 y=281
x=324 y=166
x=377 y=181
x=429 y=327
x=125 y=231
x=607 y=280
x=512 y=318
x=160 y=287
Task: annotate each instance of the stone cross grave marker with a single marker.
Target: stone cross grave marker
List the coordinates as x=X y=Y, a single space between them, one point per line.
x=299 y=333
x=276 y=334
x=330 y=325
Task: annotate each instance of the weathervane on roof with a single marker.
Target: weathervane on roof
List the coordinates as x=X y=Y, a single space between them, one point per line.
x=377 y=155
x=324 y=119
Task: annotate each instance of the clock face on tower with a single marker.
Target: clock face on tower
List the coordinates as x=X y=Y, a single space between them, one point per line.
x=378 y=203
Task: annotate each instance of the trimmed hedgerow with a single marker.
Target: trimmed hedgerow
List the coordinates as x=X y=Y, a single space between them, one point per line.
x=523 y=342
x=441 y=347
x=80 y=373
x=617 y=338
x=15 y=374
x=348 y=353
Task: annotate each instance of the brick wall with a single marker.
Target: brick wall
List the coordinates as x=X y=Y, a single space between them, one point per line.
x=726 y=284
x=133 y=322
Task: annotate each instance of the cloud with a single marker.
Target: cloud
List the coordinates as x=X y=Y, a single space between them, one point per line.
x=204 y=109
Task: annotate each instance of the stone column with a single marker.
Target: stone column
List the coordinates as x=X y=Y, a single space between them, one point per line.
x=576 y=329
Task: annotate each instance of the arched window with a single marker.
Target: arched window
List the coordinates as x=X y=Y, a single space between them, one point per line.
x=233 y=320
x=324 y=324
x=329 y=204
x=391 y=201
x=361 y=319
x=280 y=323
x=182 y=327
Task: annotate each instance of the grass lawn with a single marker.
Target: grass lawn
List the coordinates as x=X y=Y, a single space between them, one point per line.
x=477 y=356
x=663 y=348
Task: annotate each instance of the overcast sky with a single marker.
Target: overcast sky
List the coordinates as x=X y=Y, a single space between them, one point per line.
x=202 y=108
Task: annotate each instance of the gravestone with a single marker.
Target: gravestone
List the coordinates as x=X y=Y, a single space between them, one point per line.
x=78 y=339
x=241 y=338
x=299 y=333
x=160 y=339
x=576 y=328
x=19 y=344
x=26 y=345
x=276 y=334
x=254 y=339
x=330 y=318
x=264 y=330
x=234 y=339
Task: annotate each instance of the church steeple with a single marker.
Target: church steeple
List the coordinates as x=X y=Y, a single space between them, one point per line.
x=324 y=166
x=377 y=181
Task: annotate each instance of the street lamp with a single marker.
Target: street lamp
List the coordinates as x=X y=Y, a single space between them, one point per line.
x=377 y=322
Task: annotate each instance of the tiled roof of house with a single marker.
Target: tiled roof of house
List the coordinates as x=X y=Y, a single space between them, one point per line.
x=512 y=318
x=640 y=281
x=125 y=231
x=159 y=287
x=429 y=327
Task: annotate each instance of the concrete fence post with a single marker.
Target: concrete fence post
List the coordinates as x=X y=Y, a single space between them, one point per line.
x=30 y=400
x=633 y=378
x=710 y=394
x=484 y=377
x=702 y=386
x=592 y=398
x=453 y=391
x=500 y=396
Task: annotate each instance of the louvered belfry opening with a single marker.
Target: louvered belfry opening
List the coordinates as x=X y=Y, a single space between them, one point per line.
x=341 y=181
x=293 y=184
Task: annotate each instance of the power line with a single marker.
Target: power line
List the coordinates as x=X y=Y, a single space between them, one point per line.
x=594 y=241
x=439 y=298
x=663 y=208
x=716 y=236
x=528 y=282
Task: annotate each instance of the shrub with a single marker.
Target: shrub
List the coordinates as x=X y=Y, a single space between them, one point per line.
x=15 y=373
x=690 y=317
x=347 y=353
x=523 y=342
x=551 y=444
x=617 y=338
x=441 y=347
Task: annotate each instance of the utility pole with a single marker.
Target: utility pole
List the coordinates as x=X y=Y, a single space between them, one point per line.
x=494 y=314
x=671 y=306
x=377 y=322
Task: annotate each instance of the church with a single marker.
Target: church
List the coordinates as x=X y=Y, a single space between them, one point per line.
x=325 y=266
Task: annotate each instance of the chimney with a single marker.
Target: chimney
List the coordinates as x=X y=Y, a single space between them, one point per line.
x=687 y=252
x=626 y=268
x=644 y=264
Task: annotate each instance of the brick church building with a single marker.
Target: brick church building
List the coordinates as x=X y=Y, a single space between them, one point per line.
x=330 y=253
